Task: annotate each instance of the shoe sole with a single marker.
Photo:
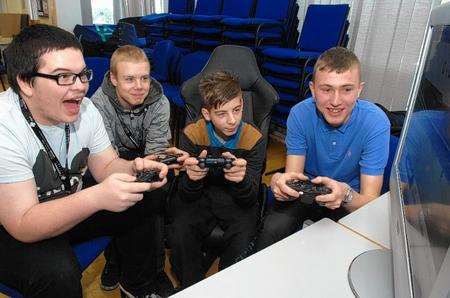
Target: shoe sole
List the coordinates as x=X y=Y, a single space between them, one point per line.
x=127 y=294
x=109 y=288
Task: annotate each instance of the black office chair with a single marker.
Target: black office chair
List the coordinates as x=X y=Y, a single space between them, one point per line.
x=259 y=97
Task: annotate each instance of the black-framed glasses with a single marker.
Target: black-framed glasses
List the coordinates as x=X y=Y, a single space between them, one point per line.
x=68 y=78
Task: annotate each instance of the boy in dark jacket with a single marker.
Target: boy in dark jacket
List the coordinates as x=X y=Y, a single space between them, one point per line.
x=217 y=196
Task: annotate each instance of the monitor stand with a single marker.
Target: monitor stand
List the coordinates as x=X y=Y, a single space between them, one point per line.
x=370 y=274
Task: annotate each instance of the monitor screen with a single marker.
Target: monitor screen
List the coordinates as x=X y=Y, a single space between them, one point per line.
x=420 y=181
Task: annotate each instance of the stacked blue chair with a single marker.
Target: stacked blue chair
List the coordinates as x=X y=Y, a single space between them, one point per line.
x=171 y=68
x=99 y=66
x=86 y=253
x=287 y=69
x=180 y=26
x=207 y=30
x=128 y=35
x=156 y=23
x=269 y=25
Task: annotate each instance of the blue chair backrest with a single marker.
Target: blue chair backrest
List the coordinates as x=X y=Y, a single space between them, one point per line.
x=208 y=7
x=128 y=34
x=180 y=6
x=270 y=9
x=99 y=65
x=238 y=8
x=165 y=57
x=323 y=27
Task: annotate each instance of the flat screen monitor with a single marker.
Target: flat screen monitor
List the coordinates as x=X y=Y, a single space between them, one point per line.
x=419 y=183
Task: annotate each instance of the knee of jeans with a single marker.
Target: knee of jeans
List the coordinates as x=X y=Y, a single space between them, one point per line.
x=275 y=225
x=64 y=269
x=60 y=276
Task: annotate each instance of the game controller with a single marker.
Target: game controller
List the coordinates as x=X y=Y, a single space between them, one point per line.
x=148 y=176
x=167 y=159
x=309 y=189
x=215 y=162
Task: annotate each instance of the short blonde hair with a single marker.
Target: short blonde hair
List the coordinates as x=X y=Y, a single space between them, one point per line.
x=218 y=88
x=127 y=53
x=337 y=59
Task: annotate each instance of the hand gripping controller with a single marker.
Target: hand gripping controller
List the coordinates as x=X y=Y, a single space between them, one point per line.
x=215 y=162
x=167 y=159
x=309 y=189
x=148 y=176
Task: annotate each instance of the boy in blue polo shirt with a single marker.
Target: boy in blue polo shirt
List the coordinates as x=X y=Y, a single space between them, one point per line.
x=336 y=140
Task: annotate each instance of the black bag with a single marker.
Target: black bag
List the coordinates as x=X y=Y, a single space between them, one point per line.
x=396 y=118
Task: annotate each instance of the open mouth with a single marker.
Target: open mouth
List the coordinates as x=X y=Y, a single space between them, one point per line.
x=334 y=112
x=72 y=105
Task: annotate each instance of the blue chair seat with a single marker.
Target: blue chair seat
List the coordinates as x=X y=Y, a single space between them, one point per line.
x=207 y=18
x=283 y=83
x=283 y=69
x=179 y=17
x=289 y=54
x=249 y=22
x=207 y=42
x=154 y=18
x=172 y=92
x=282 y=109
x=207 y=30
x=178 y=27
x=288 y=97
x=242 y=35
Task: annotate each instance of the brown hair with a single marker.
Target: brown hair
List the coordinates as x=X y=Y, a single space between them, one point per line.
x=337 y=59
x=127 y=53
x=218 y=88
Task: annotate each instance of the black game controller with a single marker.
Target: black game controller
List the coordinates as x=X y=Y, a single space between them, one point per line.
x=309 y=189
x=148 y=176
x=167 y=159
x=215 y=162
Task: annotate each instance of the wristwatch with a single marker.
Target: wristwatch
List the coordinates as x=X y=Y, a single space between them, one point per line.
x=348 y=197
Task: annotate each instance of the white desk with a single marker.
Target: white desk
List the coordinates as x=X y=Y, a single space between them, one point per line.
x=371 y=220
x=310 y=263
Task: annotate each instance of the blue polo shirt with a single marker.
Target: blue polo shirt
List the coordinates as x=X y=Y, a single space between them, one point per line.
x=359 y=146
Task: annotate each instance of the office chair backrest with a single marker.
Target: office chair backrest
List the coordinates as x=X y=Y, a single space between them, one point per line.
x=238 y=8
x=208 y=7
x=323 y=27
x=259 y=95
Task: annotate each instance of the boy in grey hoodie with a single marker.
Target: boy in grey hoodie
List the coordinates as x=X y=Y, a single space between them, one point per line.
x=136 y=115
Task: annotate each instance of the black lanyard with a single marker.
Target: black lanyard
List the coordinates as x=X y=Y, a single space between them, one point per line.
x=63 y=173
x=139 y=145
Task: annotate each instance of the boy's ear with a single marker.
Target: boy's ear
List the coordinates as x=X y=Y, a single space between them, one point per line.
x=26 y=87
x=113 y=79
x=206 y=115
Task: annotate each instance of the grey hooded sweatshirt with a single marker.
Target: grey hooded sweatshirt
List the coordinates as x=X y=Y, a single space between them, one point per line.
x=147 y=124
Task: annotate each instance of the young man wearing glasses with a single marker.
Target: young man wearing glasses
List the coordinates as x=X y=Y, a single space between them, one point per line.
x=136 y=115
x=50 y=134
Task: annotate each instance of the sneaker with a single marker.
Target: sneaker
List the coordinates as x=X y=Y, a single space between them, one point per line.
x=109 y=280
x=125 y=294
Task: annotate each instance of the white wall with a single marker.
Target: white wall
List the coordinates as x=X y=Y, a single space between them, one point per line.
x=68 y=13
